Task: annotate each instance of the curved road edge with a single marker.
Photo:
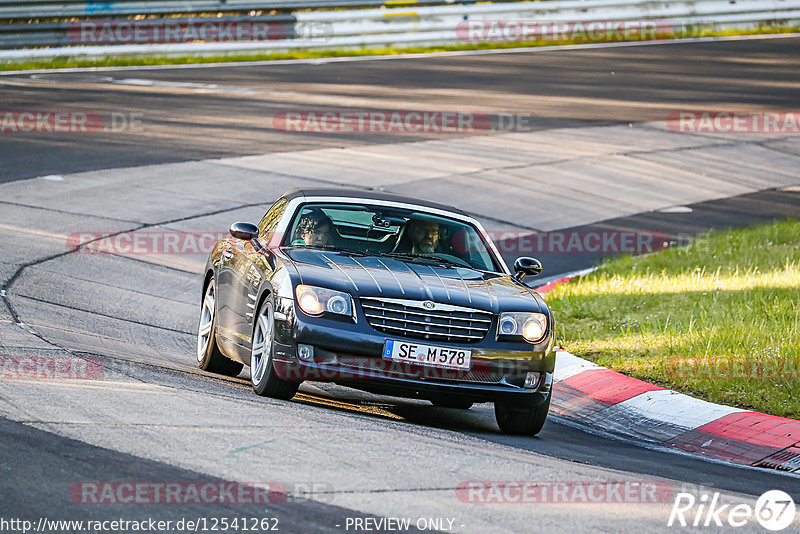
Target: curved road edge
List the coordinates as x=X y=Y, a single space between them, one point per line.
x=621 y=405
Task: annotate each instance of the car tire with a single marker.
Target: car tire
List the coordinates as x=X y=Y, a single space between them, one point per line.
x=262 y=374
x=209 y=357
x=526 y=421
x=458 y=404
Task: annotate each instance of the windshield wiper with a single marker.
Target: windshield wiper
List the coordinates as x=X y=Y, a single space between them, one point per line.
x=334 y=248
x=410 y=256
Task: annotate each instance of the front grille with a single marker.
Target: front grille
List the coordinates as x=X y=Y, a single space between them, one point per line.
x=412 y=319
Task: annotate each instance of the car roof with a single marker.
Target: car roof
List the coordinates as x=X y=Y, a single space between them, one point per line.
x=366 y=194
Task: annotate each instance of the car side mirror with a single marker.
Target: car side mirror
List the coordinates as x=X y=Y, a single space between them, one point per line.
x=526 y=267
x=244 y=230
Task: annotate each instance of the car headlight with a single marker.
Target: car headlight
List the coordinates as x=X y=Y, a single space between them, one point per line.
x=531 y=326
x=316 y=300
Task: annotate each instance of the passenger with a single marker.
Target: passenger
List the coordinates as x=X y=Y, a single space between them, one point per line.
x=314 y=229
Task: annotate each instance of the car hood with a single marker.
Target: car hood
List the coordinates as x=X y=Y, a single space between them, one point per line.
x=376 y=276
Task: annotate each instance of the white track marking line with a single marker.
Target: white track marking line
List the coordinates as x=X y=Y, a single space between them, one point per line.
x=568 y=365
x=673 y=408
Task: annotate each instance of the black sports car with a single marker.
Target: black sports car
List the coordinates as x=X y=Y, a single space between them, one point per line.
x=383 y=293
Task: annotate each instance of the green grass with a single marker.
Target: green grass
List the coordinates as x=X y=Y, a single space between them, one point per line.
x=719 y=319
x=67 y=62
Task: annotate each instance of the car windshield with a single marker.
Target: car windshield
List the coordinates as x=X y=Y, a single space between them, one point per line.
x=405 y=234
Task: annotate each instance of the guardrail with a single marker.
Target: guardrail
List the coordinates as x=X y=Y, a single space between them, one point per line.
x=44 y=9
x=441 y=22
x=62 y=34
x=419 y=25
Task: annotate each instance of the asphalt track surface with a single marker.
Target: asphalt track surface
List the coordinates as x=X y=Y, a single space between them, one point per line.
x=189 y=118
x=216 y=112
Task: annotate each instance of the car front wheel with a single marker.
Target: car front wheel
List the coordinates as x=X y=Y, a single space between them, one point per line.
x=262 y=374
x=526 y=421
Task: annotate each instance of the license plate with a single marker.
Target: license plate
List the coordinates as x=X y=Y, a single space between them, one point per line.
x=403 y=351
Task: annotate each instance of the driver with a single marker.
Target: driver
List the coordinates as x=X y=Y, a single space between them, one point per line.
x=424 y=236
x=314 y=229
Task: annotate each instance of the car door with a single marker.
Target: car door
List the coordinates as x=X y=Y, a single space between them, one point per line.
x=226 y=287
x=251 y=272
x=250 y=268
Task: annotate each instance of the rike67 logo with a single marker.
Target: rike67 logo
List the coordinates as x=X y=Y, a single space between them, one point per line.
x=774 y=510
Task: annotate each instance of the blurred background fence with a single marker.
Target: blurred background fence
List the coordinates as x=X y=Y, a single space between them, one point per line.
x=31 y=29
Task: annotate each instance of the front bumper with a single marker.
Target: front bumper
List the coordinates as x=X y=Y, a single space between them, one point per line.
x=352 y=354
